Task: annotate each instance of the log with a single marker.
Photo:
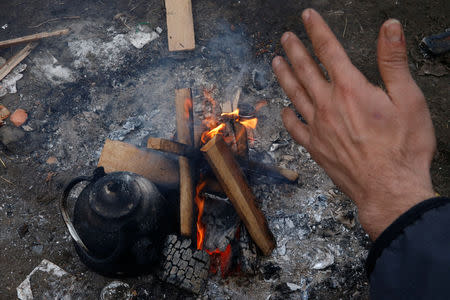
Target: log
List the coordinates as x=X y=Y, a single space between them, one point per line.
x=233 y=182
x=32 y=38
x=15 y=60
x=250 y=166
x=119 y=156
x=180 y=25
x=169 y=146
x=184 y=118
x=275 y=172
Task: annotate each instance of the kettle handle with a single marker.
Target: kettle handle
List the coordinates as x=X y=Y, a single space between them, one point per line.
x=99 y=172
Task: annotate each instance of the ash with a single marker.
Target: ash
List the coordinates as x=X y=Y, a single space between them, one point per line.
x=113 y=77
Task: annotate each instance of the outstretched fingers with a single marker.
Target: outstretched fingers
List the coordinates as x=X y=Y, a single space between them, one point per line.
x=393 y=60
x=305 y=68
x=295 y=127
x=293 y=89
x=327 y=48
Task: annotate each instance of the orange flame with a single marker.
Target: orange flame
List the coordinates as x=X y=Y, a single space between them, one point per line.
x=207 y=135
x=200 y=201
x=233 y=114
x=250 y=123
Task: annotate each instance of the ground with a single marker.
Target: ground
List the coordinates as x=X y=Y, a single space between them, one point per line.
x=82 y=88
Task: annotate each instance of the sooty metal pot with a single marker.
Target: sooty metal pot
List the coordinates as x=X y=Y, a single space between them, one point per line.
x=120 y=221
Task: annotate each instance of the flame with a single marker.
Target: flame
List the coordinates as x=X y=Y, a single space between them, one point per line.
x=222 y=258
x=233 y=114
x=200 y=202
x=250 y=123
x=207 y=135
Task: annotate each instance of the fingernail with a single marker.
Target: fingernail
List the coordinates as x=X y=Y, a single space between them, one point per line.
x=285 y=37
x=276 y=61
x=393 y=30
x=306 y=14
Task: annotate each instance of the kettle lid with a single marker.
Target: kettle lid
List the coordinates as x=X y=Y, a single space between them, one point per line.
x=116 y=195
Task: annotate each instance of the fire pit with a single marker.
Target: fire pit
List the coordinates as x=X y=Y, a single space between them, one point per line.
x=213 y=163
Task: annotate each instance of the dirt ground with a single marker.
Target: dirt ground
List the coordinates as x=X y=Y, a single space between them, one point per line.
x=82 y=88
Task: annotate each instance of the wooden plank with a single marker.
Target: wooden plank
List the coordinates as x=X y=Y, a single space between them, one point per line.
x=233 y=182
x=180 y=25
x=33 y=37
x=184 y=118
x=119 y=156
x=15 y=60
x=169 y=146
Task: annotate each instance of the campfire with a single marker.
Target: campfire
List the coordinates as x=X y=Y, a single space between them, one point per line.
x=211 y=172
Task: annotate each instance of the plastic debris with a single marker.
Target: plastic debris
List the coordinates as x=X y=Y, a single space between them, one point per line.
x=140 y=39
x=116 y=290
x=52 y=275
x=293 y=286
x=8 y=84
x=436 y=44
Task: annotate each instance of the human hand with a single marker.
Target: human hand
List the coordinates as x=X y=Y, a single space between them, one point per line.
x=376 y=146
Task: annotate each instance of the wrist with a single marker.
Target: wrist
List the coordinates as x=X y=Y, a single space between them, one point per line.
x=380 y=210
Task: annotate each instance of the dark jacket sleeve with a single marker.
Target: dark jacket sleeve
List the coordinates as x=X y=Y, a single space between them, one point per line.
x=411 y=258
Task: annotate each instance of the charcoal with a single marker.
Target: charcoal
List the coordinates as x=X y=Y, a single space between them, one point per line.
x=248 y=259
x=221 y=222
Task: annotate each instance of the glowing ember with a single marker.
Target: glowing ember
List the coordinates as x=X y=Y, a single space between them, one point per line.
x=222 y=259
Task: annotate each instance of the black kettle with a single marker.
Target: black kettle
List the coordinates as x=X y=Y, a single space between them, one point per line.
x=120 y=222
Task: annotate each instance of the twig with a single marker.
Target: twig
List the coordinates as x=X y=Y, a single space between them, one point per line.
x=7 y=180
x=345 y=28
x=53 y=20
x=15 y=60
x=3 y=163
x=33 y=37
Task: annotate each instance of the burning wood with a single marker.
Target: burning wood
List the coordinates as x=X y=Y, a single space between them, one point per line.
x=184 y=117
x=233 y=182
x=252 y=167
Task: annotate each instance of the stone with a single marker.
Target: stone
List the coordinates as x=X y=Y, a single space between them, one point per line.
x=9 y=135
x=52 y=160
x=37 y=249
x=19 y=117
x=4 y=112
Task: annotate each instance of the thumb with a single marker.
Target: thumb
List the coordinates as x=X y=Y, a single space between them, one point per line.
x=392 y=58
